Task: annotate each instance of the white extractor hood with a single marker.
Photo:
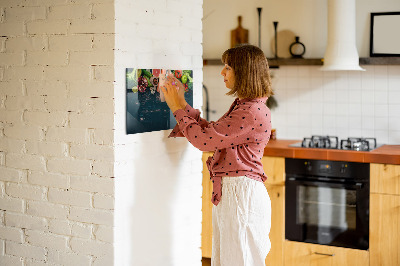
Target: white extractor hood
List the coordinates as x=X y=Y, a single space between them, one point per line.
x=341 y=51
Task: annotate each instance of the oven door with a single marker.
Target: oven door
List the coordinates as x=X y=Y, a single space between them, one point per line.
x=327 y=213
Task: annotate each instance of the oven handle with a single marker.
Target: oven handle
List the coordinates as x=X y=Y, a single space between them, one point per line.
x=324 y=254
x=357 y=185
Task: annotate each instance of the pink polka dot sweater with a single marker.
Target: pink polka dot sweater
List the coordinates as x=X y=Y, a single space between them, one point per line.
x=238 y=139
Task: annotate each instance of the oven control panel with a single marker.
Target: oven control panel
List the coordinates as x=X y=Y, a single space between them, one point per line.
x=325 y=167
x=338 y=169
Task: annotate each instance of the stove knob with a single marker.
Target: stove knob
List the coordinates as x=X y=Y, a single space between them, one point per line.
x=343 y=168
x=308 y=166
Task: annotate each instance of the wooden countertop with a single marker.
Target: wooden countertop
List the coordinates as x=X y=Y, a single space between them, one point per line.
x=389 y=154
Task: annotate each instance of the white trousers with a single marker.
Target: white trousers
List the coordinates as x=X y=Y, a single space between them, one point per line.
x=241 y=223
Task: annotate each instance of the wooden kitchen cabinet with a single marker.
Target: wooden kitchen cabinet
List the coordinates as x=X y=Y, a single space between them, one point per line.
x=206 y=225
x=385 y=178
x=277 y=233
x=384 y=237
x=274 y=168
x=305 y=254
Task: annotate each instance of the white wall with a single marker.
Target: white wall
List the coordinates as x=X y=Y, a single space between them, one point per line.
x=62 y=138
x=56 y=132
x=344 y=103
x=158 y=180
x=313 y=102
x=305 y=18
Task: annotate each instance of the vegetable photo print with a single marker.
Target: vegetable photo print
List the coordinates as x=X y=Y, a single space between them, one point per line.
x=146 y=109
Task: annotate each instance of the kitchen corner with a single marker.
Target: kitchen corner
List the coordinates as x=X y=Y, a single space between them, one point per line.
x=382 y=213
x=331 y=205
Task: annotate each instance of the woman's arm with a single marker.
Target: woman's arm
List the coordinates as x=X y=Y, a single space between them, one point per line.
x=239 y=127
x=193 y=113
x=176 y=99
x=234 y=129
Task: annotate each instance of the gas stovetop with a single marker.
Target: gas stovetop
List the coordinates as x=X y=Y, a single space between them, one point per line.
x=332 y=142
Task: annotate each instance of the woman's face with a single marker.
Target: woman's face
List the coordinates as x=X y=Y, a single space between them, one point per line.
x=229 y=76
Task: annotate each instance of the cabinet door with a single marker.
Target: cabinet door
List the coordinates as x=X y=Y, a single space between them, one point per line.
x=304 y=254
x=277 y=233
x=274 y=168
x=384 y=229
x=385 y=178
x=206 y=232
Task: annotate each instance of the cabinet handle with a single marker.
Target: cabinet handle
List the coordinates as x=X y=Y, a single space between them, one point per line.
x=324 y=254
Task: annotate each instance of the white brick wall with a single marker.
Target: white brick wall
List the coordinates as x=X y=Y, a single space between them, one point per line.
x=62 y=66
x=89 y=215
x=25 y=221
x=158 y=180
x=68 y=258
x=46 y=240
x=25 y=251
x=11 y=233
x=56 y=132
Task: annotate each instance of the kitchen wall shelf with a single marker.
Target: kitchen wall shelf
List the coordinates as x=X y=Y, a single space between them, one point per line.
x=380 y=61
x=274 y=63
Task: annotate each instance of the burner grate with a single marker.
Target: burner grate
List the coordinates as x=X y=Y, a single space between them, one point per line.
x=358 y=144
x=327 y=142
x=332 y=142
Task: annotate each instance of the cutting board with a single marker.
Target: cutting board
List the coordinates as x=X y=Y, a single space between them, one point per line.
x=239 y=35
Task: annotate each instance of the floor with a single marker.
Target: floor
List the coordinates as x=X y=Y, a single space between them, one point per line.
x=206 y=261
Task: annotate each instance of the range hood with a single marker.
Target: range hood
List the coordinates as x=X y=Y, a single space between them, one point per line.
x=341 y=51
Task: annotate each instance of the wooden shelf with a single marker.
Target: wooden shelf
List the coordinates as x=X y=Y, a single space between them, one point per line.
x=380 y=61
x=212 y=62
x=274 y=63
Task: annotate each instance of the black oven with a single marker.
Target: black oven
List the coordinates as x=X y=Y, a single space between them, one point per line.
x=327 y=202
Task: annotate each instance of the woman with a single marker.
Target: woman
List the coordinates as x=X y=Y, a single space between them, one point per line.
x=242 y=208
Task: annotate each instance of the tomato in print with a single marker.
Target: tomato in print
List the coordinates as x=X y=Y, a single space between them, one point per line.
x=178 y=74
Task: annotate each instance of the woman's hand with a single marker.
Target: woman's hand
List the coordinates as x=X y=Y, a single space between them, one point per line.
x=174 y=93
x=181 y=91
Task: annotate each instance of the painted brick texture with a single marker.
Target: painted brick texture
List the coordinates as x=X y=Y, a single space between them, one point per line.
x=157 y=180
x=56 y=132
x=62 y=135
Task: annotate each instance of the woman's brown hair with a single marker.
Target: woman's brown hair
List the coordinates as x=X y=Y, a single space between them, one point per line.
x=250 y=66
